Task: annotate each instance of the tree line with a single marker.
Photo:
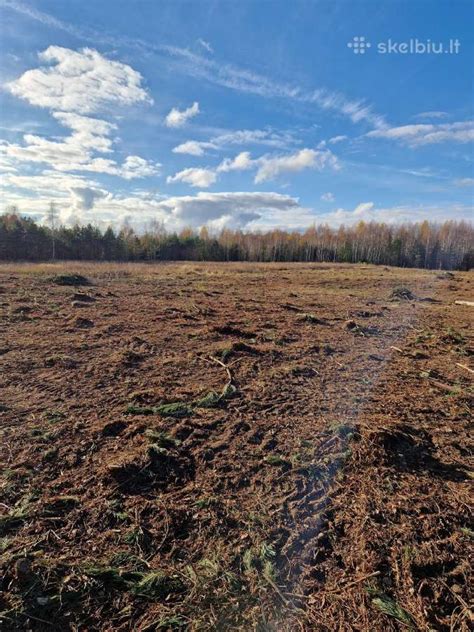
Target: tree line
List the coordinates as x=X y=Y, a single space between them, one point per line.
x=447 y=245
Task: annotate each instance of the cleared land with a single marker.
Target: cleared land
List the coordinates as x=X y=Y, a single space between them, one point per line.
x=235 y=447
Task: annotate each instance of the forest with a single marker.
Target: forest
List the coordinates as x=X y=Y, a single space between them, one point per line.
x=448 y=245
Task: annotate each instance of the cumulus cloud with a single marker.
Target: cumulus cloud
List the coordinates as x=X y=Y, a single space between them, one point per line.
x=88 y=135
x=80 y=81
x=271 y=167
x=328 y=197
x=74 y=195
x=75 y=84
x=84 y=125
x=268 y=167
x=84 y=198
x=212 y=207
x=136 y=167
x=337 y=139
x=241 y=162
x=178 y=118
x=426 y=134
x=192 y=148
x=76 y=152
x=47 y=183
x=245 y=210
x=195 y=177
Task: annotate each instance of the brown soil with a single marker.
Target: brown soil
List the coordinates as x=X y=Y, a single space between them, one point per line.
x=311 y=474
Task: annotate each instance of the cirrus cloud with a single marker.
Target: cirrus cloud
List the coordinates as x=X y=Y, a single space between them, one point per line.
x=427 y=134
x=246 y=137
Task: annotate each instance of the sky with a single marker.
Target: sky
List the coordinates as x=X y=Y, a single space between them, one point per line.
x=248 y=115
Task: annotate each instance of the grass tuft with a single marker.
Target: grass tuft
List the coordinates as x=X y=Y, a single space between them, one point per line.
x=176 y=409
x=276 y=459
x=392 y=609
x=157 y=585
x=162 y=439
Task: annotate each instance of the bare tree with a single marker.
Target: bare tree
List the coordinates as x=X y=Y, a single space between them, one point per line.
x=52 y=221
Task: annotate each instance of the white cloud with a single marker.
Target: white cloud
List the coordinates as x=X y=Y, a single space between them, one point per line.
x=136 y=167
x=238 y=207
x=222 y=74
x=79 y=81
x=7 y=165
x=46 y=183
x=363 y=208
x=84 y=198
x=192 y=147
x=328 y=197
x=72 y=194
x=425 y=134
x=270 y=168
x=266 y=137
x=337 y=139
x=85 y=125
x=464 y=182
x=177 y=118
x=368 y=211
x=432 y=115
x=243 y=80
x=76 y=152
x=205 y=45
x=241 y=162
x=195 y=177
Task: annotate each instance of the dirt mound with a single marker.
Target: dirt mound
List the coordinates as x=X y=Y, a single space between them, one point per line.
x=70 y=279
x=82 y=323
x=402 y=294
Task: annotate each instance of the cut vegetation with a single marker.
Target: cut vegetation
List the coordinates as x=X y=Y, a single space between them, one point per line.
x=235 y=447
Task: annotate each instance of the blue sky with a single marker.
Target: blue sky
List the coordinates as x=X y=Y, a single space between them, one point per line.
x=246 y=114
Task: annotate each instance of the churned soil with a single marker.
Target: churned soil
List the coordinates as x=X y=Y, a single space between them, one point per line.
x=267 y=447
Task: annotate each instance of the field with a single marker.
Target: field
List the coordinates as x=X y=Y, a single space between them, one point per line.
x=274 y=447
